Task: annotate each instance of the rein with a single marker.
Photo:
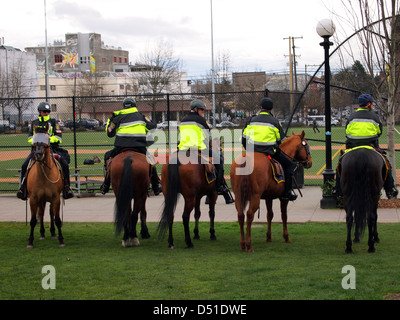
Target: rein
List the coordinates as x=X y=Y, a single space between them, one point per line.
x=42 y=162
x=301 y=162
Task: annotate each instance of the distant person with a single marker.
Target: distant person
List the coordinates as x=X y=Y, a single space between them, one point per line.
x=315 y=126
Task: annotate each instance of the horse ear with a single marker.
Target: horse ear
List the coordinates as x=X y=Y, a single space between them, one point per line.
x=293 y=134
x=302 y=134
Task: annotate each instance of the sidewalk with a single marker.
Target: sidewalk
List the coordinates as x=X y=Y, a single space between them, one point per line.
x=101 y=209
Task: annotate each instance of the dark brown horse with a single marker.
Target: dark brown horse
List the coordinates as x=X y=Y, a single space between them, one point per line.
x=252 y=180
x=362 y=181
x=44 y=184
x=189 y=180
x=130 y=179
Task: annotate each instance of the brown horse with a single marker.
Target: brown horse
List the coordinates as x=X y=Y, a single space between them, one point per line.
x=44 y=184
x=189 y=180
x=252 y=179
x=130 y=179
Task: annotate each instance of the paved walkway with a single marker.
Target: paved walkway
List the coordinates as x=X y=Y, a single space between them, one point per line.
x=101 y=209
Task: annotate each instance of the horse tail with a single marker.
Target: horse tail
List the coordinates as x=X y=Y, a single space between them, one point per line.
x=171 y=199
x=245 y=190
x=125 y=194
x=359 y=197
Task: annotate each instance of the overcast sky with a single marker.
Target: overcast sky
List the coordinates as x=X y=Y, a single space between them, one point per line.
x=252 y=31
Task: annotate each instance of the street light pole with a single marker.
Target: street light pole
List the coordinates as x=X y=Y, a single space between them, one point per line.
x=326 y=29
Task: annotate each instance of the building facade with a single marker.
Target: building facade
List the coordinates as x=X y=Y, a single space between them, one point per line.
x=81 y=52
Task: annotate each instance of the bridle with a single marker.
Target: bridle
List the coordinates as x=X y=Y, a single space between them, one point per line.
x=304 y=144
x=39 y=156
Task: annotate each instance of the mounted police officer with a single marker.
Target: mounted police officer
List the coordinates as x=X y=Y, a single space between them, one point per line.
x=265 y=134
x=55 y=140
x=363 y=128
x=130 y=127
x=195 y=135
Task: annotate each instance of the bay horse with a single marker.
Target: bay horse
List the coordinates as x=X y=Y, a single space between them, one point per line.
x=44 y=184
x=362 y=172
x=129 y=171
x=189 y=180
x=252 y=180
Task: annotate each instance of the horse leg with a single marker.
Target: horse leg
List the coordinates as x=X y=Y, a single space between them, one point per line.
x=376 y=238
x=41 y=217
x=349 y=223
x=284 y=205
x=211 y=213
x=170 y=236
x=144 y=231
x=189 y=204
x=197 y=214
x=241 y=224
x=371 y=232
x=133 y=239
x=253 y=207
x=55 y=208
x=33 y=222
x=270 y=216
x=356 y=233
x=52 y=228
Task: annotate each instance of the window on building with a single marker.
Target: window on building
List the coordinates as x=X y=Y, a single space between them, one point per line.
x=42 y=88
x=126 y=60
x=58 y=58
x=53 y=107
x=121 y=86
x=115 y=59
x=120 y=60
x=53 y=88
x=103 y=60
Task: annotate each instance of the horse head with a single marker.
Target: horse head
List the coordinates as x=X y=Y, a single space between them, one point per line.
x=41 y=141
x=303 y=154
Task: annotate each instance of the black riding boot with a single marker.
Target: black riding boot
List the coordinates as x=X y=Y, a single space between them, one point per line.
x=105 y=186
x=220 y=179
x=67 y=192
x=22 y=193
x=390 y=189
x=155 y=181
x=288 y=193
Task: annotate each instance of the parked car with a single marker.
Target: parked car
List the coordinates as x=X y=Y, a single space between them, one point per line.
x=90 y=123
x=70 y=124
x=164 y=124
x=226 y=124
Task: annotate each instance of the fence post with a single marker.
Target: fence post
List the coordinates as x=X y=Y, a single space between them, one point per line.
x=169 y=130
x=74 y=127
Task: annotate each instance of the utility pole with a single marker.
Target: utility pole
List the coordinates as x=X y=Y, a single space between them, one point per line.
x=291 y=55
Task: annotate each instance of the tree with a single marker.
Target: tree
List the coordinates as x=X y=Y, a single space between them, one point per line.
x=159 y=69
x=377 y=26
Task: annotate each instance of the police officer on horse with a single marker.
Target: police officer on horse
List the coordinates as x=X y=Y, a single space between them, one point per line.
x=265 y=134
x=55 y=134
x=130 y=127
x=363 y=128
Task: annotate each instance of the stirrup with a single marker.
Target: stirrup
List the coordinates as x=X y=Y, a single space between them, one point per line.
x=104 y=188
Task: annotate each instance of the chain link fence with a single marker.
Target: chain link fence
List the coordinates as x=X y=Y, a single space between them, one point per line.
x=83 y=119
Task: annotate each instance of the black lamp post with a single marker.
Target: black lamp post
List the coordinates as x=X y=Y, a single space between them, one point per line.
x=326 y=29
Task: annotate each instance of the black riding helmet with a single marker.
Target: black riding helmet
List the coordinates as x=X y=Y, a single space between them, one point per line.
x=197 y=104
x=266 y=103
x=44 y=106
x=129 y=103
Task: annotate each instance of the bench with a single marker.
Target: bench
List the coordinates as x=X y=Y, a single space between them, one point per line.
x=85 y=183
x=16 y=175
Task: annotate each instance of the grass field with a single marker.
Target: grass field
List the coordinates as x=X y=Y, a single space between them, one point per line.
x=93 y=265
x=97 y=143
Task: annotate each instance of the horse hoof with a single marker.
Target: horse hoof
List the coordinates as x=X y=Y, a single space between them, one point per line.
x=349 y=251
x=62 y=245
x=30 y=246
x=135 y=242
x=371 y=250
x=196 y=237
x=171 y=247
x=213 y=238
x=41 y=238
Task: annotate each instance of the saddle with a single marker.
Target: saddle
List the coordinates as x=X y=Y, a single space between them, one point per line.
x=209 y=168
x=277 y=170
x=379 y=151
